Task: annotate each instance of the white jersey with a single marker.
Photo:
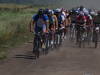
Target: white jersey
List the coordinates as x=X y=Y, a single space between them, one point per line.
x=84 y=10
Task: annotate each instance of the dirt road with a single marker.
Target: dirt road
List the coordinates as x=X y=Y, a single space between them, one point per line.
x=66 y=60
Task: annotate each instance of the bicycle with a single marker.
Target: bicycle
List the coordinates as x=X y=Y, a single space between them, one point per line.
x=59 y=36
x=37 y=44
x=46 y=43
x=89 y=34
x=72 y=32
x=96 y=35
x=81 y=36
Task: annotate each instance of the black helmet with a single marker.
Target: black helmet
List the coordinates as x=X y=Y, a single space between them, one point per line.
x=46 y=11
x=40 y=12
x=81 y=7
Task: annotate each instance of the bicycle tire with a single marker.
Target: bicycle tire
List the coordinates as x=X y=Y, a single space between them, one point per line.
x=96 y=39
x=36 y=47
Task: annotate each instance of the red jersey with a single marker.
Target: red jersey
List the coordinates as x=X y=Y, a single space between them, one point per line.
x=81 y=19
x=88 y=20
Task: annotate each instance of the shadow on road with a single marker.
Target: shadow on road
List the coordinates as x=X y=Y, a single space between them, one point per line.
x=25 y=56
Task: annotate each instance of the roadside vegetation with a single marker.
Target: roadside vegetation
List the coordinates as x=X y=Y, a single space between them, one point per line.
x=14 y=20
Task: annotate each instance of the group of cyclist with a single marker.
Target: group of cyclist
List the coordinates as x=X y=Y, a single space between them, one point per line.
x=47 y=20
x=87 y=25
x=51 y=20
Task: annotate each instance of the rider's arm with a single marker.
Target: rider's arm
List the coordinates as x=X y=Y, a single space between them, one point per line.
x=47 y=24
x=84 y=18
x=56 y=22
x=66 y=21
x=63 y=20
x=46 y=19
x=69 y=20
x=91 y=20
x=31 y=25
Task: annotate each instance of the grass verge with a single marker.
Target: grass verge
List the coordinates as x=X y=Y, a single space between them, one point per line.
x=14 y=29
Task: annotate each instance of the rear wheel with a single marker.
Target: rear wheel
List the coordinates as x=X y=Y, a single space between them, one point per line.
x=96 y=40
x=80 y=41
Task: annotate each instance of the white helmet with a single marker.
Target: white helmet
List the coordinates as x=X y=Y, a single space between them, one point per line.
x=86 y=11
x=58 y=10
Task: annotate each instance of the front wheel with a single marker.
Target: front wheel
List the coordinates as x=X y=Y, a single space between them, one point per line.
x=36 y=46
x=95 y=39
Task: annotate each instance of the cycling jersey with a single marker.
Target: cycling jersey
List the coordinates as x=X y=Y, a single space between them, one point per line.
x=61 y=18
x=40 y=22
x=64 y=14
x=56 y=21
x=81 y=19
x=88 y=20
x=73 y=18
x=83 y=10
x=51 y=22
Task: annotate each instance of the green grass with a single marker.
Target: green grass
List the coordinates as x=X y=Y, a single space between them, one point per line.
x=14 y=29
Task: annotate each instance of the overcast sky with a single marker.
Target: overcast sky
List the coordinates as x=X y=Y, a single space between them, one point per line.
x=61 y=3
x=87 y=3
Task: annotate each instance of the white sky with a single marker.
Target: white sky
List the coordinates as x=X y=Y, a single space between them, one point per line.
x=87 y=3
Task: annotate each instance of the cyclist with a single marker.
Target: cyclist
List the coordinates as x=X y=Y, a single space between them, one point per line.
x=81 y=19
x=55 y=18
x=52 y=25
x=66 y=21
x=82 y=9
x=96 y=21
x=89 y=21
x=68 y=18
x=96 y=29
x=39 y=24
x=61 y=21
x=81 y=22
x=73 y=15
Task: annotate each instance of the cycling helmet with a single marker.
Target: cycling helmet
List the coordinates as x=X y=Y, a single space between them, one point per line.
x=81 y=8
x=50 y=12
x=74 y=11
x=46 y=11
x=93 y=13
x=40 y=12
x=58 y=10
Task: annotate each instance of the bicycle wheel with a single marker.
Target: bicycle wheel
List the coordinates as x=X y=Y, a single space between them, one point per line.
x=56 y=40
x=45 y=45
x=80 y=41
x=96 y=39
x=79 y=38
x=72 y=32
x=36 y=47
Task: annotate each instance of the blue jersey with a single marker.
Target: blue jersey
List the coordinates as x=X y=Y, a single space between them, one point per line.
x=39 y=21
x=61 y=18
x=51 y=20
